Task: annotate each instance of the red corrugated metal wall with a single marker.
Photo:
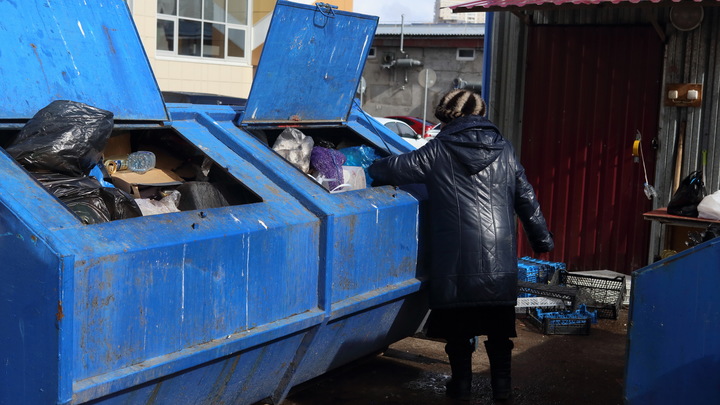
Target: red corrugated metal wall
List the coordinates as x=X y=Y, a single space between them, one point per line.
x=588 y=90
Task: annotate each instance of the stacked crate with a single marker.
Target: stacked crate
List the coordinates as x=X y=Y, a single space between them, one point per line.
x=549 y=268
x=535 y=290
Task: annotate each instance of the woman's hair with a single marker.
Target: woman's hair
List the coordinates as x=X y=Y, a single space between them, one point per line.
x=459 y=103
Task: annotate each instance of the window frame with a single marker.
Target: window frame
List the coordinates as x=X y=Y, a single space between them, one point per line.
x=465 y=58
x=225 y=58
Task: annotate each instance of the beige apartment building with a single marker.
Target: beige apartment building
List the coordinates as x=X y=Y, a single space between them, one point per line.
x=222 y=59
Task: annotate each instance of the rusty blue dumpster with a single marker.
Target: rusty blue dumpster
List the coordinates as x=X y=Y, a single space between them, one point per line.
x=230 y=304
x=363 y=264
x=673 y=347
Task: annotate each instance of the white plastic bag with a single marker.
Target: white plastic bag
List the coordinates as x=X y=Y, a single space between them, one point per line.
x=354 y=177
x=294 y=146
x=166 y=205
x=709 y=207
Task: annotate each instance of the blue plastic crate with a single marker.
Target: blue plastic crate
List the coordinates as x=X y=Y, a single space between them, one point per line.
x=563 y=322
x=551 y=268
x=581 y=313
x=529 y=273
x=541 y=272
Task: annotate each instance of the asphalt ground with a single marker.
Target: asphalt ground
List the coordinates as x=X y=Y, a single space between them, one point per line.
x=547 y=370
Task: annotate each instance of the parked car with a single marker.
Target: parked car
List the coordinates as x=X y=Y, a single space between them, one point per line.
x=404 y=130
x=432 y=132
x=415 y=123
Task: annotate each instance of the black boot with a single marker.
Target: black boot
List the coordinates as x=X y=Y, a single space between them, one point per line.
x=459 y=353
x=499 y=351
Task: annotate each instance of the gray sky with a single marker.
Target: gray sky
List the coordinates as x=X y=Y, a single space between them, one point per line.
x=390 y=11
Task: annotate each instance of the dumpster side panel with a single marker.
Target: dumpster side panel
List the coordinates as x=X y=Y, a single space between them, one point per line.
x=366 y=332
x=374 y=247
x=241 y=378
x=674 y=350
x=144 y=304
x=30 y=311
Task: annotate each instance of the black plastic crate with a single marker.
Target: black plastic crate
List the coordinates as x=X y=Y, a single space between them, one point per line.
x=560 y=323
x=601 y=293
x=565 y=293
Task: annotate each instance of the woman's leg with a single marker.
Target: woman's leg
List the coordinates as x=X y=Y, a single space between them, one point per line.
x=499 y=351
x=459 y=351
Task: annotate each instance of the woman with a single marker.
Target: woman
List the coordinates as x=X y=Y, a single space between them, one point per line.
x=476 y=186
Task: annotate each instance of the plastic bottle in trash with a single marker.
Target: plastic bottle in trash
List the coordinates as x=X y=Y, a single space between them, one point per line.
x=141 y=162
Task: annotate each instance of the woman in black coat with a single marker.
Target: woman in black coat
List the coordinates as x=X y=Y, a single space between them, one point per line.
x=476 y=187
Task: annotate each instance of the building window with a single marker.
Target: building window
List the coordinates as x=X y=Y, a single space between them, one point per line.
x=465 y=54
x=207 y=29
x=371 y=53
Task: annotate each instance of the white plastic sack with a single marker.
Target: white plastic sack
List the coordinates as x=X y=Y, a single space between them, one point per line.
x=354 y=177
x=294 y=146
x=709 y=207
x=166 y=205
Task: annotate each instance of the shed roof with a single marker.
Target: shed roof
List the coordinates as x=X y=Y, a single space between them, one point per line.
x=452 y=30
x=508 y=5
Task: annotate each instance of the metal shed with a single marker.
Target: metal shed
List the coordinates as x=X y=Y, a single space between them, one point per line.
x=676 y=138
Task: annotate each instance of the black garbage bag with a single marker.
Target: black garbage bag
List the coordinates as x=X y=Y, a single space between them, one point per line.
x=710 y=233
x=88 y=200
x=120 y=204
x=65 y=137
x=200 y=195
x=688 y=195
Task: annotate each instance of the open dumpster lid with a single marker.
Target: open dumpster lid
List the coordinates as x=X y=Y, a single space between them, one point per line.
x=311 y=64
x=85 y=51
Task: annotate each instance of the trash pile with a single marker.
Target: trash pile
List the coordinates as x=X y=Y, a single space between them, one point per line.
x=61 y=146
x=104 y=173
x=337 y=170
x=101 y=175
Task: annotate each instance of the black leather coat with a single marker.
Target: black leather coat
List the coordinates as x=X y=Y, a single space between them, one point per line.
x=476 y=186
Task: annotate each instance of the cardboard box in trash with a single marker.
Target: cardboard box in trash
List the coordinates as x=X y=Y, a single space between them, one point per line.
x=133 y=183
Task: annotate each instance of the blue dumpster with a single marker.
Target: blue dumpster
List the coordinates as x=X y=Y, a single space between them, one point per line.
x=673 y=347
x=363 y=262
x=232 y=304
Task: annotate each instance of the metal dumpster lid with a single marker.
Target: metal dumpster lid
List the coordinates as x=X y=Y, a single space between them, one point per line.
x=310 y=66
x=85 y=51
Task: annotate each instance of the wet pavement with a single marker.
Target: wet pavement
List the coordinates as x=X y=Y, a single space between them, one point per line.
x=547 y=370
